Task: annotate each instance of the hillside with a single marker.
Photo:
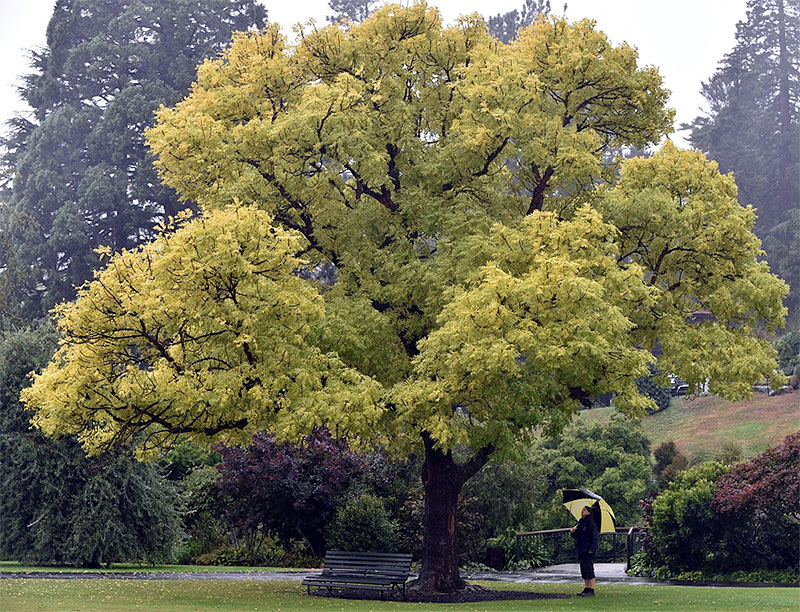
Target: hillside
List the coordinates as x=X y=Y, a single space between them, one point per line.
x=706 y=423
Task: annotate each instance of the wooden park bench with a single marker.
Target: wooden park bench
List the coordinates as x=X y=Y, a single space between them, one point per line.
x=362 y=570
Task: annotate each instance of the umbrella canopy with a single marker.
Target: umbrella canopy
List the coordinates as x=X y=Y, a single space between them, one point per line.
x=575 y=499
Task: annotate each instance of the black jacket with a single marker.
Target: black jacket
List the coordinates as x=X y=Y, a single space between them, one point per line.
x=587 y=536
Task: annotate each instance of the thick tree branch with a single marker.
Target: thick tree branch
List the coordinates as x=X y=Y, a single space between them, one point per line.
x=537 y=197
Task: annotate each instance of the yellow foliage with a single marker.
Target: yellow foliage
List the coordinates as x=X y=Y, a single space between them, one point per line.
x=203 y=332
x=491 y=269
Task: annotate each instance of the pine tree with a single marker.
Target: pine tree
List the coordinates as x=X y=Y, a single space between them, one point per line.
x=352 y=10
x=753 y=128
x=82 y=176
x=505 y=26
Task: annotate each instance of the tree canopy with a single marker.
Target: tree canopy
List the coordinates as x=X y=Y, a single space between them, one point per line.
x=491 y=270
x=81 y=174
x=351 y=10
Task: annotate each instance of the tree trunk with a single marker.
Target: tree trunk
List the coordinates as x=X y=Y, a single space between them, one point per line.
x=443 y=478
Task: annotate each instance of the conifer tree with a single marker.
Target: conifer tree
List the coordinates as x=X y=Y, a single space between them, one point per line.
x=752 y=129
x=81 y=174
x=59 y=506
x=506 y=26
x=352 y=10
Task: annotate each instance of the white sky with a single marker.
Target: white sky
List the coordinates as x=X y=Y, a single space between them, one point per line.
x=685 y=39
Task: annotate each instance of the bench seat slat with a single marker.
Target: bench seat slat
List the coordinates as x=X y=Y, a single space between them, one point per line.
x=356 y=579
x=366 y=568
x=349 y=585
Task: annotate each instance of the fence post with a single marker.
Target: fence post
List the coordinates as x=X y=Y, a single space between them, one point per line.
x=629 y=549
x=519 y=550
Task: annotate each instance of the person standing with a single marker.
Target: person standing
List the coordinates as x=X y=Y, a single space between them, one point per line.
x=587 y=538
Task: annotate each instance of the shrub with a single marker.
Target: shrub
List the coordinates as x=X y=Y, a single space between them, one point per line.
x=730 y=452
x=203 y=508
x=268 y=553
x=700 y=456
x=684 y=522
x=765 y=576
x=650 y=386
x=363 y=523
x=522 y=488
x=287 y=489
x=641 y=565
x=410 y=521
x=533 y=554
x=788 y=348
x=717 y=520
x=759 y=500
x=669 y=462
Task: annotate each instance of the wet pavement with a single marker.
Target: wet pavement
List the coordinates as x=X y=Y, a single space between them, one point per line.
x=607 y=573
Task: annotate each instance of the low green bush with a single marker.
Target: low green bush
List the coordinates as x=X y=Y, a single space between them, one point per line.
x=641 y=565
x=684 y=520
x=363 y=524
x=768 y=576
x=717 y=520
x=267 y=554
x=533 y=554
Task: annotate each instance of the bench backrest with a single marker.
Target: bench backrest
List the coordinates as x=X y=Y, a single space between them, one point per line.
x=395 y=565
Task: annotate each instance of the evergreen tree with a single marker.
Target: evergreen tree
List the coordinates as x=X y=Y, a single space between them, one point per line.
x=352 y=10
x=57 y=505
x=82 y=176
x=753 y=129
x=505 y=26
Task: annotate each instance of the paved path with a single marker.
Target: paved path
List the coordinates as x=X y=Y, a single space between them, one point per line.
x=90 y=575
x=607 y=573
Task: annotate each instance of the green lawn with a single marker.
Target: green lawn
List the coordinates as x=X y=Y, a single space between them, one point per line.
x=203 y=595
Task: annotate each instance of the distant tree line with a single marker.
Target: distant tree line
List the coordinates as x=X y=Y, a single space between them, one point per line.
x=752 y=128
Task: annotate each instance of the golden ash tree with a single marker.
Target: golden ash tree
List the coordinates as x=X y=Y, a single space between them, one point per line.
x=491 y=271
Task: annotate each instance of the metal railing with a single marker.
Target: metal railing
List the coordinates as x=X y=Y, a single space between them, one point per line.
x=557 y=545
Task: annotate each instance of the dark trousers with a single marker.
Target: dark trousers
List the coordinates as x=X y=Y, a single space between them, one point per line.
x=587 y=566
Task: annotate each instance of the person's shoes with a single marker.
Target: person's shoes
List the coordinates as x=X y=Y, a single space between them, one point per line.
x=586 y=593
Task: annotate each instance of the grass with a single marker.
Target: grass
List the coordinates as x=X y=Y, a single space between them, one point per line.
x=287 y=596
x=706 y=423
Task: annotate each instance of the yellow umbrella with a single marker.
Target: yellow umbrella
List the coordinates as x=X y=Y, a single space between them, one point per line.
x=576 y=499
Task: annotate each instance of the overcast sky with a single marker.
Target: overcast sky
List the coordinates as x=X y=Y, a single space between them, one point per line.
x=685 y=39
